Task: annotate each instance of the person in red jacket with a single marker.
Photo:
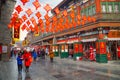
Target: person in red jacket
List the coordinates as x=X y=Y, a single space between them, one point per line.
x=27 y=60
x=118 y=52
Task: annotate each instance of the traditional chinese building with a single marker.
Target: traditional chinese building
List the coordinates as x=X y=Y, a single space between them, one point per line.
x=94 y=23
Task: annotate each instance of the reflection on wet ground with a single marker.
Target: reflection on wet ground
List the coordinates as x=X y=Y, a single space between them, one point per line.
x=60 y=69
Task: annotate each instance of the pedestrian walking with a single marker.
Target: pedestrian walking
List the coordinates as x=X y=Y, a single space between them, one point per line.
x=46 y=51
x=27 y=59
x=34 y=55
x=43 y=53
x=51 y=54
x=19 y=62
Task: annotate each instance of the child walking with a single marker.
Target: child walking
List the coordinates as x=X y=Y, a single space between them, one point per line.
x=19 y=63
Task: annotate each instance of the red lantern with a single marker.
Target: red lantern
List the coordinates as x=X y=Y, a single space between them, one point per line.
x=29 y=12
x=40 y=21
x=93 y=19
x=32 y=19
x=24 y=1
x=78 y=17
x=30 y=27
x=46 y=17
x=54 y=18
x=18 y=9
x=15 y=14
x=10 y=25
x=38 y=15
x=24 y=18
x=47 y=7
x=28 y=22
x=57 y=11
x=89 y=18
x=36 y=4
x=23 y=27
x=27 y=29
x=47 y=22
x=65 y=13
x=84 y=18
x=72 y=14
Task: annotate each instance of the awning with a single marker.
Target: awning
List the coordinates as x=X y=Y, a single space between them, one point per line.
x=89 y=40
x=113 y=39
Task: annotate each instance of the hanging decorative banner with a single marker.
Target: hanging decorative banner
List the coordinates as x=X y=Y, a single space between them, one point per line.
x=24 y=1
x=29 y=12
x=36 y=4
x=47 y=8
x=38 y=15
x=18 y=9
x=16 y=33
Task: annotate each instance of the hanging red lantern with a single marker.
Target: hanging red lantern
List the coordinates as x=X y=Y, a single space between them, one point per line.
x=23 y=27
x=46 y=17
x=78 y=17
x=54 y=18
x=18 y=9
x=40 y=21
x=89 y=19
x=78 y=22
x=84 y=18
x=10 y=25
x=28 y=22
x=72 y=14
x=24 y=1
x=24 y=17
x=31 y=27
x=29 y=12
x=57 y=11
x=15 y=14
x=61 y=20
x=28 y=29
x=47 y=8
x=36 y=4
x=34 y=23
x=65 y=12
x=47 y=22
x=93 y=19
x=38 y=15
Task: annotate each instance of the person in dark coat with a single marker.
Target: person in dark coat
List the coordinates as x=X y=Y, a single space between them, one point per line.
x=43 y=53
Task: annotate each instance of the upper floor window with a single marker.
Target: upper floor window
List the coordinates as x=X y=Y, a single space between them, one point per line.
x=103 y=8
x=93 y=10
x=110 y=8
x=116 y=8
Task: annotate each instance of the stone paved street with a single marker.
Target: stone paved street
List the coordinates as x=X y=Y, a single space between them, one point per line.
x=61 y=69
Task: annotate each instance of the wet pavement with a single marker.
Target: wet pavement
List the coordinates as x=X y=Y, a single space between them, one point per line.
x=61 y=69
